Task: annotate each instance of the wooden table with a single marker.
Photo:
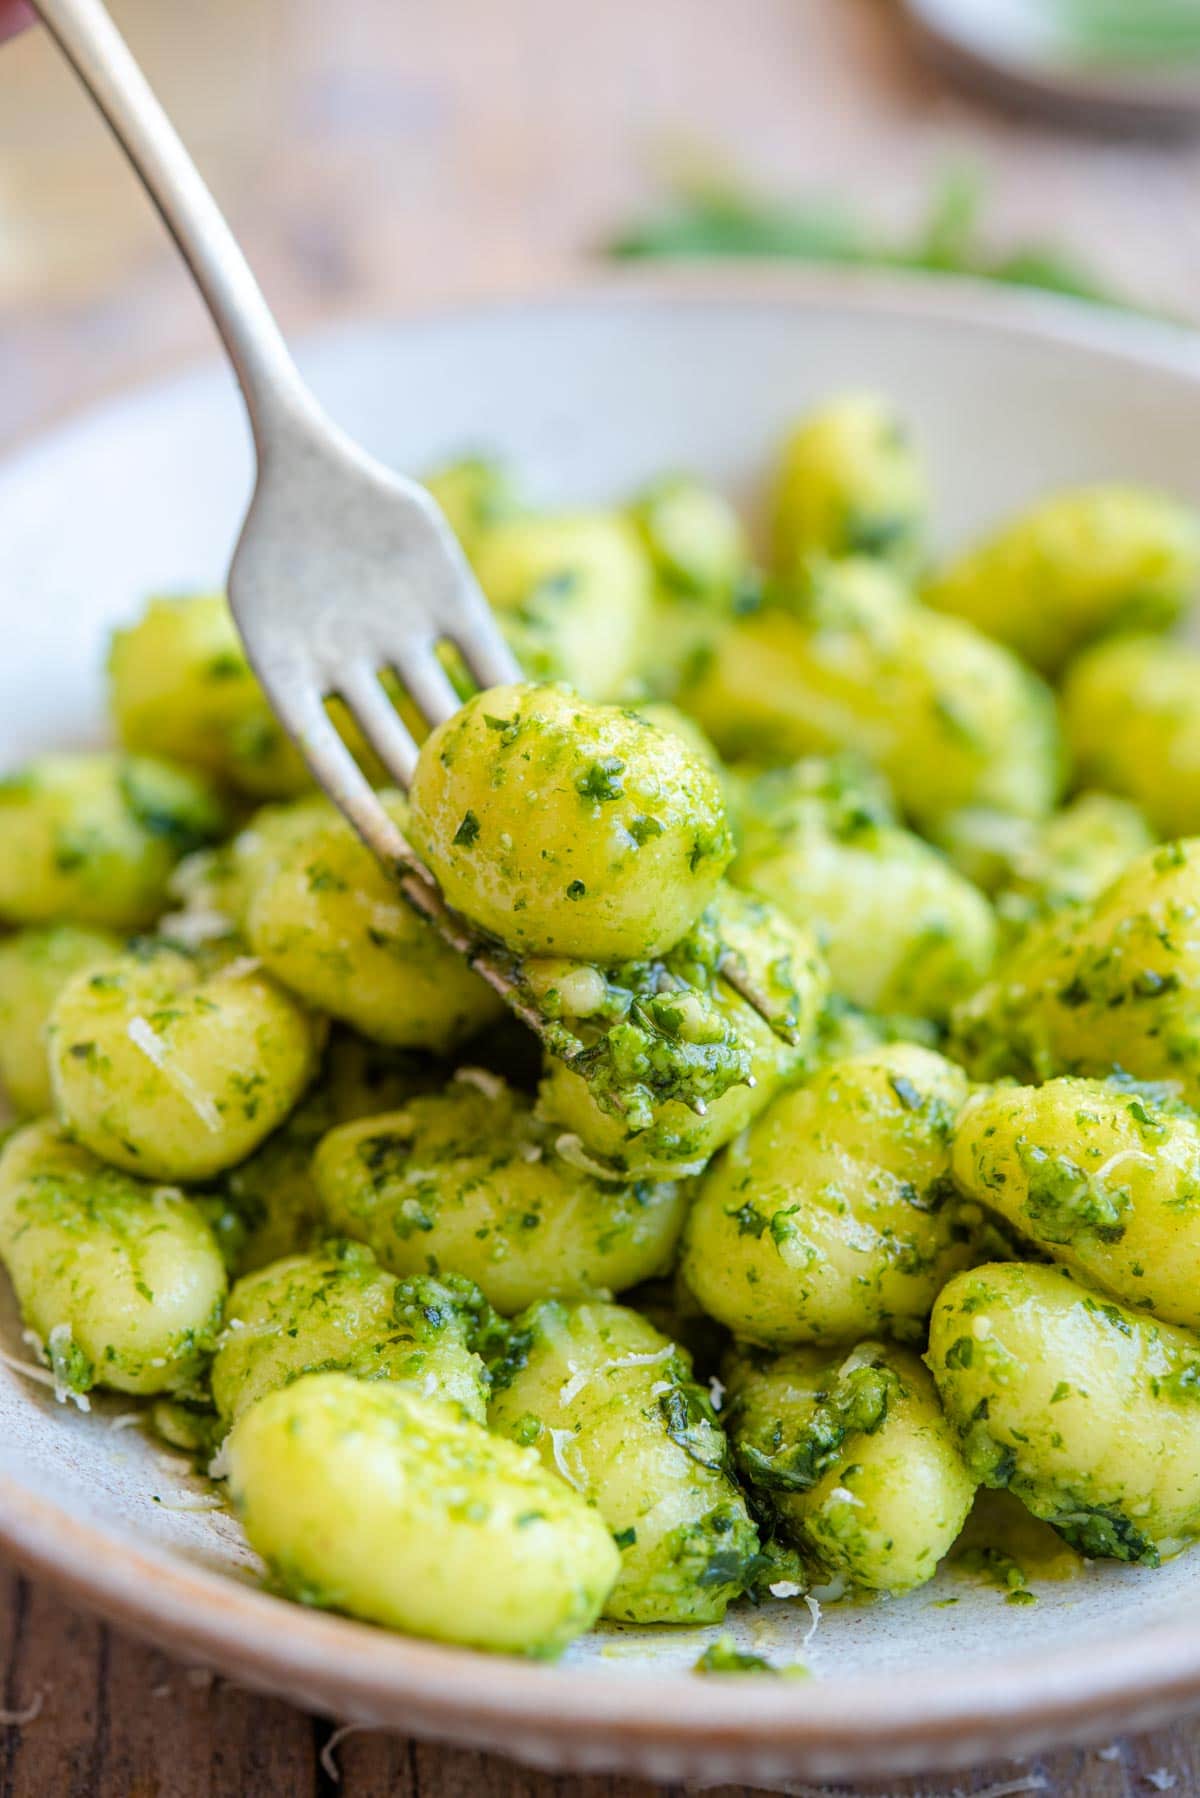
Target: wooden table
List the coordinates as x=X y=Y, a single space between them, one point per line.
x=117 y=1720
x=374 y=155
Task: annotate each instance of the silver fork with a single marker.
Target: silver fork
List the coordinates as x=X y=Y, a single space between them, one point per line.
x=343 y=569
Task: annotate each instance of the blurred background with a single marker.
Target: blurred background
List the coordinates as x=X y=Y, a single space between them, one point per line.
x=382 y=154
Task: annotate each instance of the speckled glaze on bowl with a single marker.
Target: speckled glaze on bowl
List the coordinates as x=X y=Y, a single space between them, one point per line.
x=589 y=394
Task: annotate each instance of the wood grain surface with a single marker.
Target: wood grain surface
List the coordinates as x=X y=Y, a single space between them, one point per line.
x=379 y=154
x=117 y=1720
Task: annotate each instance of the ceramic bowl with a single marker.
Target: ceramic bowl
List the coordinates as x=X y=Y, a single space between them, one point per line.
x=589 y=394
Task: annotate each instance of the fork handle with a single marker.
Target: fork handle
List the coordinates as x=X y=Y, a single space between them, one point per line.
x=270 y=381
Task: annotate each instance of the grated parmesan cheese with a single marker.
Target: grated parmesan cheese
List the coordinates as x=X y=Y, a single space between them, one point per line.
x=832 y=1591
x=145 y=1038
x=218 y=1467
x=195 y=928
x=19 y=1719
x=43 y=1377
x=335 y=1741
x=581 y=1378
x=569 y=1148
x=1119 y=1160
x=865 y=1355
x=485 y=1082
x=558 y=1439
x=240 y=967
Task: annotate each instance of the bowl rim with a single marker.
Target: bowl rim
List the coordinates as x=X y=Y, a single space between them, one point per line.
x=864 y=1721
x=967 y=302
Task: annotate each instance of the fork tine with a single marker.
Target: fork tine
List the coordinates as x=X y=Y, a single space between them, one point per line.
x=488 y=657
x=380 y=722
x=426 y=682
x=336 y=771
x=302 y=711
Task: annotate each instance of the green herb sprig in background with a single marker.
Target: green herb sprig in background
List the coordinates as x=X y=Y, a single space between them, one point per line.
x=709 y=216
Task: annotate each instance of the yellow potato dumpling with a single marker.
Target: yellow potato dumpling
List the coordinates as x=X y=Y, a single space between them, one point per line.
x=1087 y=1411
x=180 y=686
x=666 y=716
x=1071 y=857
x=465 y=1180
x=1099 y=1177
x=1074 y=567
x=573 y=593
x=832 y=1217
x=338 y=1311
x=611 y=1407
x=778 y=862
x=122 y=1282
x=1132 y=723
x=176 y=1067
x=92 y=839
x=273 y=1194
x=849 y=483
x=35 y=965
x=844 y=661
x=853 y=1454
x=330 y=924
x=694 y=537
x=1094 y=989
x=569 y=829
x=364 y=1497
x=682 y=1038
x=701 y=557
x=474 y=493
x=900 y=930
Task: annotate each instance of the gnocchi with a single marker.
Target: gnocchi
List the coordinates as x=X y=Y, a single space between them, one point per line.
x=180 y=686
x=854 y=1454
x=344 y=1486
x=1131 y=725
x=569 y=829
x=272 y=1194
x=849 y=482
x=173 y=1068
x=832 y=1216
x=92 y=839
x=1077 y=566
x=337 y=1310
x=331 y=926
x=900 y=930
x=680 y=1061
x=1082 y=1408
x=1099 y=1177
x=611 y=1408
x=573 y=593
x=121 y=1282
x=466 y=1180
x=854 y=1164
x=35 y=964
x=844 y=660
x=1099 y=988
